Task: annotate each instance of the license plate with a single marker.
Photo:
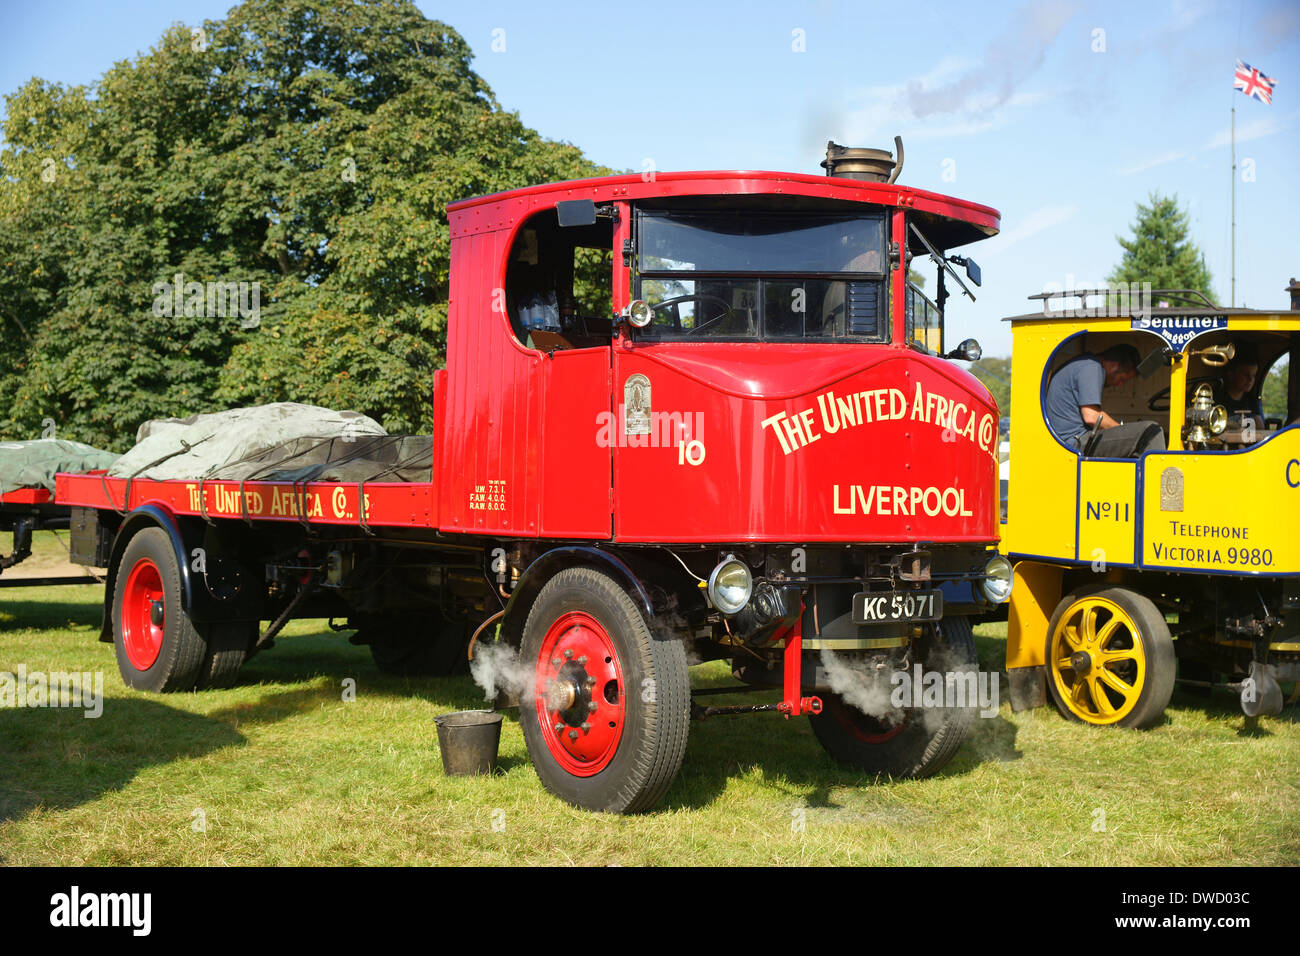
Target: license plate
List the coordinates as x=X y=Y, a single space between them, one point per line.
x=884 y=607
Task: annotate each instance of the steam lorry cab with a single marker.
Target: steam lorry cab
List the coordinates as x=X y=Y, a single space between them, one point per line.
x=1179 y=564
x=684 y=417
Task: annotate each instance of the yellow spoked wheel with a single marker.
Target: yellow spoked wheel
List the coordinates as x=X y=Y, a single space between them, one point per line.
x=1110 y=659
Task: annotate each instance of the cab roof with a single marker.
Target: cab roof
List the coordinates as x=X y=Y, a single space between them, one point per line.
x=1181 y=312
x=947 y=221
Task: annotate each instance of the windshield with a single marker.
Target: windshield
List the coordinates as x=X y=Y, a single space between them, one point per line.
x=762 y=276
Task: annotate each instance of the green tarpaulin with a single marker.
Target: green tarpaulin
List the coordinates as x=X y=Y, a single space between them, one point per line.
x=33 y=464
x=285 y=441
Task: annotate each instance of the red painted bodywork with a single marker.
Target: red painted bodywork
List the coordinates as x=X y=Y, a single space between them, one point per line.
x=388 y=504
x=748 y=488
x=25 y=496
x=515 y=429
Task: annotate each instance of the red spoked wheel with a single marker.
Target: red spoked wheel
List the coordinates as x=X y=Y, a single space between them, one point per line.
x=580 y=698
x=143 y=615
x=611 y=701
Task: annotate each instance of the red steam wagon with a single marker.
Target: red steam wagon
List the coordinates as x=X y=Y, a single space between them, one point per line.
x=684 y=417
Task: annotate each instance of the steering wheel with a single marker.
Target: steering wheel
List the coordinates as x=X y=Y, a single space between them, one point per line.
x=1163 y=394
x=675 y=302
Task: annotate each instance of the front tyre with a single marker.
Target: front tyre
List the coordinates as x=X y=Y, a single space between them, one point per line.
x=158 y=648
x=607 y=721
x=918 y=741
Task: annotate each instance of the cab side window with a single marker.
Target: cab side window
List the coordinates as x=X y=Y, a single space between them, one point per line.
x=1248 y=374
x=559 y=284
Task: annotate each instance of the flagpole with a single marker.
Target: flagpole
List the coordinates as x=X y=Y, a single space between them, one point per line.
x=1234 y=205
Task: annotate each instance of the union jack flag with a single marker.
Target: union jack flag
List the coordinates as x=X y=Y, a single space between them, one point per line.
x=1253 y=83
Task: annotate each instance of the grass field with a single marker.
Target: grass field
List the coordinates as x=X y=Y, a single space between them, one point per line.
x=280 y=770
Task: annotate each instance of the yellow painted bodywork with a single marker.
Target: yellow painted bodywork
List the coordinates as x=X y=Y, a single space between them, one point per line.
x=1107 y=512
x=1034 y=596
x=1067 y=511
x=1240 y=511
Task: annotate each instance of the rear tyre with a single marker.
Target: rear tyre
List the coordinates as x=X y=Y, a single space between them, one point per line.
x=228 y=645
x=606 y=720
x=1110 y=658
x=158 y=648
x=918 y=741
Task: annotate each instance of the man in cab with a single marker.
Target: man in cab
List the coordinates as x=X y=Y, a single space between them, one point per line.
x=1074 y=411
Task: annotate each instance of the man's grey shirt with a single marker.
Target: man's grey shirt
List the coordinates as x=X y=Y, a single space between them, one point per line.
x=1077 y=382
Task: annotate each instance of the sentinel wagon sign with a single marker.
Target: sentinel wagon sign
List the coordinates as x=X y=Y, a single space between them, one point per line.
x=1179 y=330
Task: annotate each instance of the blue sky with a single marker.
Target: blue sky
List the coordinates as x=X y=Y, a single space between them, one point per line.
x=1062 y=115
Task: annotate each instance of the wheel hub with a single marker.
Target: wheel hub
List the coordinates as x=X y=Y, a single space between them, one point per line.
x=143 y=615
x=1081 y=662
x=579 y=694
x=562 y=693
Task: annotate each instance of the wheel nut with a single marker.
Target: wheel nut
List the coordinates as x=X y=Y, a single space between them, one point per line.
x=568 y=653
x=591 y=705
x=573 y=735
x=582 y=659
x=559 y=728
x=585 y=726
x=591 y=681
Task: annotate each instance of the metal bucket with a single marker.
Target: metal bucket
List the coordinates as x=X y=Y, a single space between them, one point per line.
x=469 y=740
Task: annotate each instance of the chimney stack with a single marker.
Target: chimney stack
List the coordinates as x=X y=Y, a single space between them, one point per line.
x=1294 y=289
x=869 y=165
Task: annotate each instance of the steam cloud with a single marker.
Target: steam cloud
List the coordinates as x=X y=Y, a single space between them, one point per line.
x=862 y=686
x=497 y=667
x=1007 y=63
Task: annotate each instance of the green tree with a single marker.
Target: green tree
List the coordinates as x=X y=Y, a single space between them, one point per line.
x=1160 y=251
x=1273 y=394
x=995 y=373
x=306 y=146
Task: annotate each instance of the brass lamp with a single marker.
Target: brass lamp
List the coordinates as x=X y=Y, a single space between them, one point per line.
x=1205 y=419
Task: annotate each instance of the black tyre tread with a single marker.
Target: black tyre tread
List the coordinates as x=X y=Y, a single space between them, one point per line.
x=1161 y=656
x=670 y=748
x=895 y=762
x=960 y=636
x=227 y=649
x=182 y=656
x=666 y=718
